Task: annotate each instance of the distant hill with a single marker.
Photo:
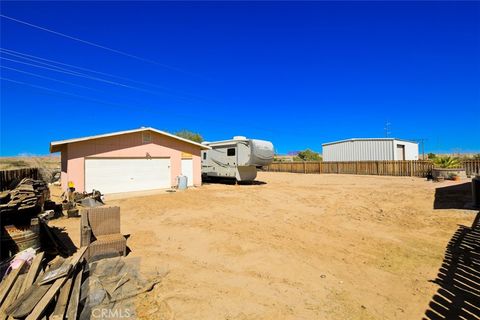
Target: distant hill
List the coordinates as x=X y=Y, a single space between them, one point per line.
x=30 y=161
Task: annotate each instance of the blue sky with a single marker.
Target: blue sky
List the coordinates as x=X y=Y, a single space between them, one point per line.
x=298 y=74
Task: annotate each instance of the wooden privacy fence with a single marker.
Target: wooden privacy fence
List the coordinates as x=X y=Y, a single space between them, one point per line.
x=7 y=177
x=418 y=168
x=472 y=167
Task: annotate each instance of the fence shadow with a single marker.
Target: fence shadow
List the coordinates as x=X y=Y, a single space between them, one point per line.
x=232 y=182
x=459 y=276
x=457 y=196
x=56 y=241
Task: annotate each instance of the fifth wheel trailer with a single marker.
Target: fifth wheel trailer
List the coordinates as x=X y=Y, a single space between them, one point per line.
x=236 y=159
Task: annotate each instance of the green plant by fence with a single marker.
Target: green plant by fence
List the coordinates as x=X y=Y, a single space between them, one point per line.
x=7 y=177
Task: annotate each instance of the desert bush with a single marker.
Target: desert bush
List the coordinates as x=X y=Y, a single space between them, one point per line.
x=12 y=163
x=446 y=162
x=308 y=155
x=186 y=134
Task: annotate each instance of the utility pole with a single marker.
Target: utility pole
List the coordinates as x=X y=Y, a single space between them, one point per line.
x=421 y=141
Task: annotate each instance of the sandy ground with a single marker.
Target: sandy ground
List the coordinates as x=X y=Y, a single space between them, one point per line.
x=297 y=247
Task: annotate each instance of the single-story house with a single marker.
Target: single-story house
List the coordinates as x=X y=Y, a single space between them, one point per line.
x=133 y=160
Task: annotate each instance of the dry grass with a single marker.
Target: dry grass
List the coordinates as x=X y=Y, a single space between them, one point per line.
x=9 y=163
x=47 y=164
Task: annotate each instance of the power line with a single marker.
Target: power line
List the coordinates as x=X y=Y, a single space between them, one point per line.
x=52 y=64
x=39 y=62
x=86 y=76
x=49 y=78
x=24 y=56
x=72 y=73
x=91 y=43
x=76 y=95
x=422 y=145
x=227 y=124
x=57 y=91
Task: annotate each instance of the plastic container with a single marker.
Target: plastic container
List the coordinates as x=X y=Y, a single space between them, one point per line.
x=182 y=182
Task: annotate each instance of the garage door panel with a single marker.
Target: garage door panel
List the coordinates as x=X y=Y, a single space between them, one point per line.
x=124 y=175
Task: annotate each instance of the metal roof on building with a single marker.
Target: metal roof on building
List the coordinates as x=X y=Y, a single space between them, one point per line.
x=368 y=139
x=55 y=145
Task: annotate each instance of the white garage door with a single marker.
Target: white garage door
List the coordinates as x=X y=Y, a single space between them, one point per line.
x=124 y=175
x=187 y=170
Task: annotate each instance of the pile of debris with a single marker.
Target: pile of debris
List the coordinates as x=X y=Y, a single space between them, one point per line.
x=29 y=295
x=28 y=196
x=72 y=198
x=43 y=280
x=71 y=288
x=19 y=210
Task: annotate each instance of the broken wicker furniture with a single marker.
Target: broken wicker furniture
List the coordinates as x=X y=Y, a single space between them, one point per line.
x=100 y=231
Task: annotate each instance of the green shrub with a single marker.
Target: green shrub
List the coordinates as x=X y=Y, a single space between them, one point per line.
x=446 y=162
x=308 y=155
x=186 y=134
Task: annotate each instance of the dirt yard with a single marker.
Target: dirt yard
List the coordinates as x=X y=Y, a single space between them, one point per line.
x=297 y=247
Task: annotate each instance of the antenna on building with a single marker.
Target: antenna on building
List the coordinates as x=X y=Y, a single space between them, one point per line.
x=387 y=129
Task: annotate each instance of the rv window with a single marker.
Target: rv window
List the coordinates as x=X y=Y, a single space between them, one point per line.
x=231 y=152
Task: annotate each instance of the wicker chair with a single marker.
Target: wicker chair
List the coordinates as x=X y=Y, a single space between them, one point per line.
x=100 y=231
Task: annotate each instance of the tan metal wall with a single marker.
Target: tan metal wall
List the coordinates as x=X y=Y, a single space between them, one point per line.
x=368 y=150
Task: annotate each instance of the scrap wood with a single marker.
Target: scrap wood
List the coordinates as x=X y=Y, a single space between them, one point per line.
x=55 y=263
x=28 y=300
x=55 y=273
x=62 y=301
x=27 y=194
x=9 y=282
x=36 y=294
x=14 y=292
x=72 y=308
x=32 y=272
x=4 y=197
x=40 y=307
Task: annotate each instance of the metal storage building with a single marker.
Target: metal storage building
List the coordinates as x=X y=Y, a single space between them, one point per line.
x=370 y=149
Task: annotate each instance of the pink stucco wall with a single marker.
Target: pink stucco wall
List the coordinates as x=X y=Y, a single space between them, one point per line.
x=127 y=145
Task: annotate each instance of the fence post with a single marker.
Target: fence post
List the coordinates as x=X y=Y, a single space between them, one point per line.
x=7 y=177
x=418 y=168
